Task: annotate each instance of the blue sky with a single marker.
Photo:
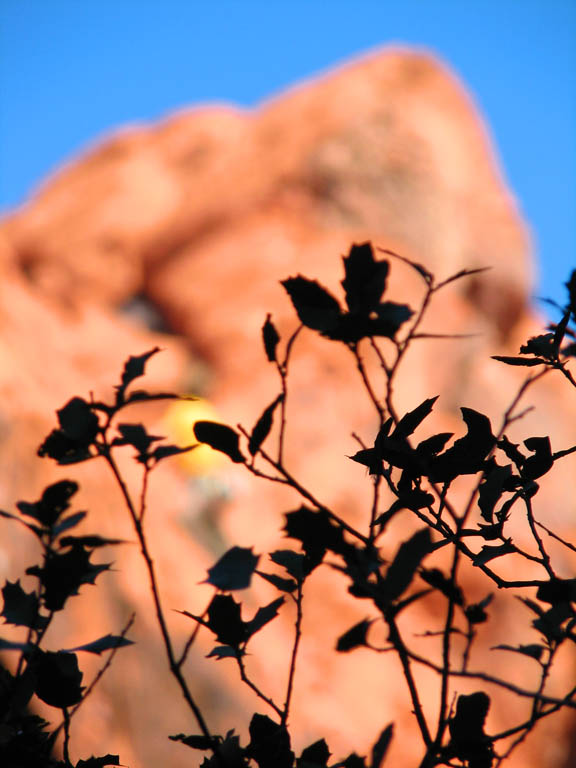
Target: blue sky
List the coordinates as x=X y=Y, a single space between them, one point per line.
x=73 y=70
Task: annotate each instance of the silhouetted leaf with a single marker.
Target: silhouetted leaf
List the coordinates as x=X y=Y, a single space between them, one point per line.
x=512 y=451
x=263 y=426
x=136 y=366
x=365 y=279
x=402 y=569
x=165 y=451
x=389 y=318
x=380 y=749
x=534 y=651
x=223 y=652
x=491 y=489
x=292 y=561
x=58 y=678
x=234 y=569
x=442 y=583
x=63 y=574
x=542 y=461
x=284 y=585
x=263 y=616
x=99 y=762
x=316 y=532
x=54 y=501
x=488 y=553
x=269 y=743
x=369 y=457
x=314 y=305
x=20 y=607
x=352 y=761
x=225 y=621
x=71 y=521
x=314 y=756
x=78 y=421
x=411 y=420
x=220 y=437
x=271 y=338
x=475 y=613
x=137 y=436
x=63 y=449
x=91 y=541
x=467 y=454
x=196 y=742
x=354 y=637
x=103 y=644
x=525 y=361
x=467 y=738
x=557 y=591
x=540 y=346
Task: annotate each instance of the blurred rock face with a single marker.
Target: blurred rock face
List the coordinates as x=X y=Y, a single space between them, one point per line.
x=178 y=234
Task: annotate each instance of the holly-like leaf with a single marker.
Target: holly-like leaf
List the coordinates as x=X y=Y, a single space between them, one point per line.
x=63 y=574
x=355 y=637
x=467 y=738
x=20 y=607
x=58 y=678
x=63 y=449
x=195 y=742
x=99 y=762
x=166 y=451
x=411 y=420
x=78 y=421
x=541 y=462
x=225 y=620
x=270 y=338
x=314 y=305
x=491 y=489
x=476 y=613
x=103 y=644
x=365 y=279
x=406 y=561
x=68 y=522
x=284 y=585
x=269 y=743
x=467 y=455
x=352 y=761
x=54 y=501
x=263 y=616
x=534 y=651
x=234 y=569
x=380 y=748
x=263 y=426
x=137 y=436
x=488 y=553
x=522 y=361
x=220 y=437
x=91 y=541
x=292 y=561
x=135 y=366
x=223 y=652
x=314 y=756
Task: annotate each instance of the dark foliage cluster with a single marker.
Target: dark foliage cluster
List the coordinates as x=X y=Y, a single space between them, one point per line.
x=408 y=475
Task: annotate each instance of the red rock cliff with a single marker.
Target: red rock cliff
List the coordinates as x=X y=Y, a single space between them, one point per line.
x=187 y=226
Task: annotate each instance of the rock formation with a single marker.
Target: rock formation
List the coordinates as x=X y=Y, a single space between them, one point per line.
x=177 y=234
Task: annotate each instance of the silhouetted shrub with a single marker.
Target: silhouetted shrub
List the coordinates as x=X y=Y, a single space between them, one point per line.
x=418 y=475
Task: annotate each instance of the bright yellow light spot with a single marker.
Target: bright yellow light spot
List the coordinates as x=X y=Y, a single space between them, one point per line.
x=179 y=420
